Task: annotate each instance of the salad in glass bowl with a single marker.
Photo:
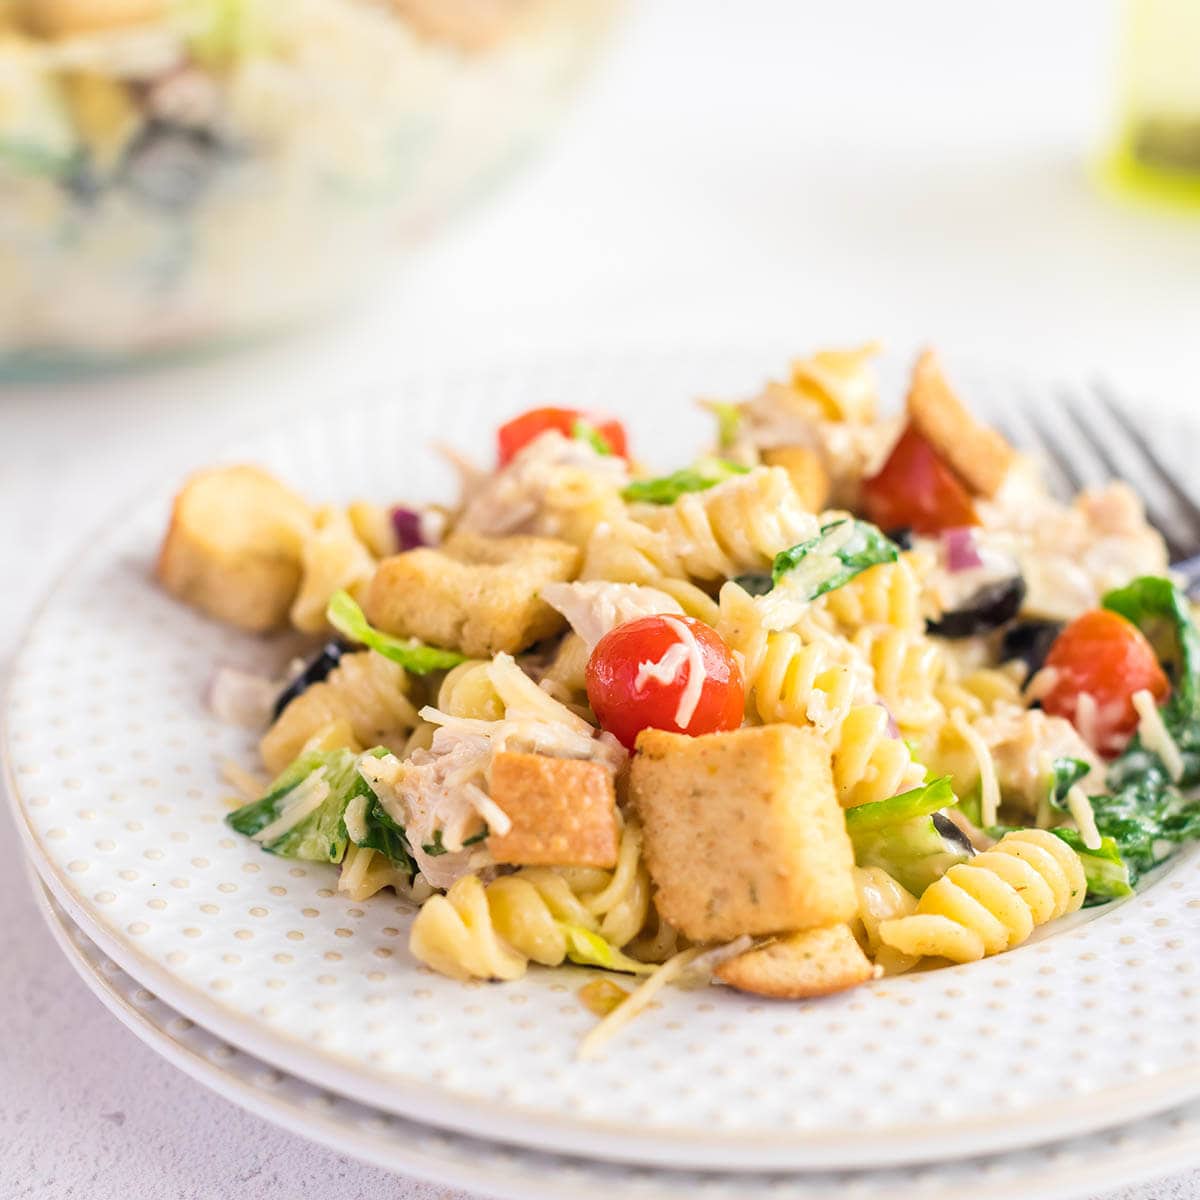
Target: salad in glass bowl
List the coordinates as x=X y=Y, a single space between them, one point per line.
x=183 y=172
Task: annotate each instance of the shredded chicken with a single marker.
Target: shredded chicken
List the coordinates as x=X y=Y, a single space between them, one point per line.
x=521 y=497
x=1070 y=555
x=782 y=415
x=596 y=607
x=1022 y=740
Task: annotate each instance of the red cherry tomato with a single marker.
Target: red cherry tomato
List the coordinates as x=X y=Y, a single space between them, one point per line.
x=638 y=677
x=916 y=490
x=1108 y=657
x=520 y=431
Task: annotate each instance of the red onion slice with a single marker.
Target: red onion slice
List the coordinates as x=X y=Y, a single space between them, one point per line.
x=959 y=547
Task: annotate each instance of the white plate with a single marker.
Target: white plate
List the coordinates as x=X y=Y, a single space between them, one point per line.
x=1148 y=1148
x=112 y=761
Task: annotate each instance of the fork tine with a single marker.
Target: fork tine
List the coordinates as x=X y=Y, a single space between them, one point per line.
x=1164 y=522
x=1049 y=440
x=1186 y=504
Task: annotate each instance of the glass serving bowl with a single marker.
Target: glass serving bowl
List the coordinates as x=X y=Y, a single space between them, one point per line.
x=176 y=173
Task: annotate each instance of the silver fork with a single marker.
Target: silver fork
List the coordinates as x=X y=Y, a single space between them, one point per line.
x=1091 y=437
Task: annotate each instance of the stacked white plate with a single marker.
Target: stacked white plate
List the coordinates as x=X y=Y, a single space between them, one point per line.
x=1036 y=1073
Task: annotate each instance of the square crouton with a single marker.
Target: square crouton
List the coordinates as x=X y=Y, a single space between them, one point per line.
x=814 y=962
x=475 y=594
x=743 y=831
x=978 y=455
x=563 y=812
x=807 y=472
x=233 y=547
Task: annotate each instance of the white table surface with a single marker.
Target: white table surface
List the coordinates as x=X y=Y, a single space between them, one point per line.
x=738 y=173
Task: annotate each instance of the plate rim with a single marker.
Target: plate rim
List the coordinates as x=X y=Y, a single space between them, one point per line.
x=435 y=1104
x=454 y=1170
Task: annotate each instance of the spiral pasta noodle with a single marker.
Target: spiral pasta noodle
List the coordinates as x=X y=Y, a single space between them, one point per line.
x=789 y=677
x=332 y=558
x=881 y=898
x=492 y=931
x=887 y=594
x=869 y=761
x=738 y=525
x=907 y=668
x=993 y=902
x=468 y=691
x=364 y=698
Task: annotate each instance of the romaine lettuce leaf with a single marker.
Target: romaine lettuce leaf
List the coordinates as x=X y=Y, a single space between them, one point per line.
x=666 y=489
x=321 y=836
x=349 y=620
x=842 y=550
x=1106 y=871
x=591 y=950
x=899 y=835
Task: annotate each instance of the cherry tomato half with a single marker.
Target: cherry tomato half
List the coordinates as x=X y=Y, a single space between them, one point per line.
x=514 y=435
x=639 y=674
x=916 y=490
x=1108 y=657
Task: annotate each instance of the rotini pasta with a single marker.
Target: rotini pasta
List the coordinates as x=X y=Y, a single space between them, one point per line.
x=493 y=931
x=870 y=762
x=332 y=558
x=366 y=693
x=993 y=902
x=907 y=667
x=738 y=525
x=881 y=898
x=889 y=594
x=743 y=731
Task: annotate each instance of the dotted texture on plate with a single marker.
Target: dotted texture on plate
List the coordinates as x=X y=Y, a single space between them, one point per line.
x=1128 y=1153
x=113 y=763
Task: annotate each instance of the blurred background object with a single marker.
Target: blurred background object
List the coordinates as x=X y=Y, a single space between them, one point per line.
x=179 y=172
x=1157 y=151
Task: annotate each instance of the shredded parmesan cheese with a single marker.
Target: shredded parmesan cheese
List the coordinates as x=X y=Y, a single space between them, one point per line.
x=989 y=785
x=1155 y=735
x=303 y=801
x=696 y=675
x=355 y=818
x=1080 y=808
x=1085 y=718
x=637 y=1003
x=684 y=653
x=249 y=785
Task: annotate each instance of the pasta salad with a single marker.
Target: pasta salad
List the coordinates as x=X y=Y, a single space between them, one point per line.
x=849 y=695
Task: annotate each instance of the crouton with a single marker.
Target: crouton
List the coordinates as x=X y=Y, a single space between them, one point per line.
x=743 y=831
x=807 y=472
x=815 y=962
x=475 y=594
x=233 y=547
x=563 y=812
x=978 y=455
x=471 y=25
x=64 y=18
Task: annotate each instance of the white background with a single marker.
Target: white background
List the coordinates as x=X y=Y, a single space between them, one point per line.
x=738 y=173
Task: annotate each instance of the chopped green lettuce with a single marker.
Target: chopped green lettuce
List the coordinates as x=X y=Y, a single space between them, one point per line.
x=1106 y=871
x=348 y=619
x=386 y=836
x=585 y=431
x=899 y=835
x=321 y=835
x=842 y=550
x=729 y=422
x=666 y=489
x=591 y=950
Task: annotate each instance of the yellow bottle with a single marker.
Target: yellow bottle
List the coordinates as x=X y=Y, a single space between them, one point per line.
x=1156 y=154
